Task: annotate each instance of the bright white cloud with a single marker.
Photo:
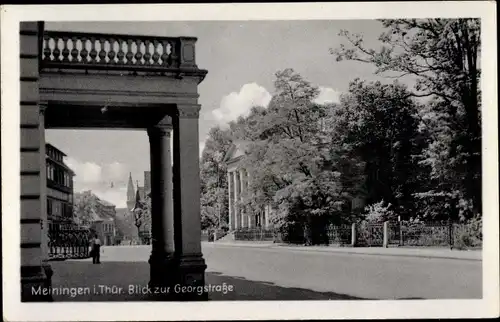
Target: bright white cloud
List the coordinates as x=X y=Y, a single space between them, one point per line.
x=327 y=95
x=91 y=176
x=87 y=172
x=117 y=196
x=115 y=171
x=239 y=104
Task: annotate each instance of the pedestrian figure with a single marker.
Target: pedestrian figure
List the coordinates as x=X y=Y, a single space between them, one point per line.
x=96 y=250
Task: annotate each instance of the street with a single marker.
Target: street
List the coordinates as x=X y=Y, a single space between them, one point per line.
x=268 y=273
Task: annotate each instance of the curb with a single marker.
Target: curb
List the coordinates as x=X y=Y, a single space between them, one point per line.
x=382 y=254
x=332 y=250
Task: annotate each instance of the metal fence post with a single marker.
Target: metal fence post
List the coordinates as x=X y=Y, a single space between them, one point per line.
x=401 y=240
x=450 y=233
x=353 y=235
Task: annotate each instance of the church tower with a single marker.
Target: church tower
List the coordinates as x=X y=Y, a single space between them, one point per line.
x=130 y=193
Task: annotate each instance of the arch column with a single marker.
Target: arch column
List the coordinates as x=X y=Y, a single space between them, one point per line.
x=161 y=260
x=187 y=220
x=44 y=223
x=35 y=276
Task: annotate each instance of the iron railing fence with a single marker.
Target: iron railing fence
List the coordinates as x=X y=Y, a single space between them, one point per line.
x=68 y=241
x=340 y=235
x=426 y=234
x=370 y=235
x=256 y=234
x=422 y=234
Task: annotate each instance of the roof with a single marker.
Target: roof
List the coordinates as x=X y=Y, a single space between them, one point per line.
x=237 y=149
x=98 y=212
x=48 y=145
x=101 y=215
x=105 y=203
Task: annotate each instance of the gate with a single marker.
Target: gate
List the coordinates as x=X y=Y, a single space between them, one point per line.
x=370 y=235
x=68 y=240
x=339 y=235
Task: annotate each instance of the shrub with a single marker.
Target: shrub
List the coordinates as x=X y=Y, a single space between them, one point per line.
x=469 y=234
x=378 y=212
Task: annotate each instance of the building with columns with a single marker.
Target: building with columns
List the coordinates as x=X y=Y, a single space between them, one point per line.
x=238 y=179
x=114 y=81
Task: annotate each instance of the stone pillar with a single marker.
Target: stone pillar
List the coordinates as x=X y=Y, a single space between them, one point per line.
x=43 y=193
x=236 y=210
x=230 y=191
x=243 y=215
x=386 y=234
x=267 y=216
x=187 y=219
x=353 y=235
x=34 y=274
x=162 y=212
x=252 y=221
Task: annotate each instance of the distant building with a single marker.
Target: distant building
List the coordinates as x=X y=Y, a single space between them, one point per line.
x=105 y=226
x=101 y=219
x=126 y=215
x=59 y=186
x=238 y=183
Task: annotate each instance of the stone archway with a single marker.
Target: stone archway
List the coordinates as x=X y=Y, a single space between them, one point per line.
x=80 y=80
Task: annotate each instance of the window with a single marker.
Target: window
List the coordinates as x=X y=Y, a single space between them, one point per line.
x=49 y=207
x=56 y=208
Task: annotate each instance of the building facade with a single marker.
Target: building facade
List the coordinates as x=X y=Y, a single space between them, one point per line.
x=239 y=179
x=105 y=226
x=59 y=186
x=127 y=221
x=102 y=217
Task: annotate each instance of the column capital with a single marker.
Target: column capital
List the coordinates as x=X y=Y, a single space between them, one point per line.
x=188 y=111
x=159 y=131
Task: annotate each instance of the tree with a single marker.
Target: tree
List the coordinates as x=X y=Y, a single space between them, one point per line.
x=83 y=208
x=213 y=174
x=375 y=126
x=287 y=160
x=443 y=57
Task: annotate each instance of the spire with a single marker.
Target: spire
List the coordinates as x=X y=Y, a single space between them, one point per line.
x=130 y=189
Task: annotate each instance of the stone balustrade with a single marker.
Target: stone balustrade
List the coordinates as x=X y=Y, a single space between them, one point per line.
x=77 y=50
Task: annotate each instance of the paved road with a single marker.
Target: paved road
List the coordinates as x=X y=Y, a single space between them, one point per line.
x=260 y=273
x=358 y=275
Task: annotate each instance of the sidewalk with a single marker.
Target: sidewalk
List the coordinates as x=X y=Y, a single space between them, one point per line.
x=430 y=252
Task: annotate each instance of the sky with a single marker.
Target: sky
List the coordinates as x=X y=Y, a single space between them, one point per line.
x=242 y=58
